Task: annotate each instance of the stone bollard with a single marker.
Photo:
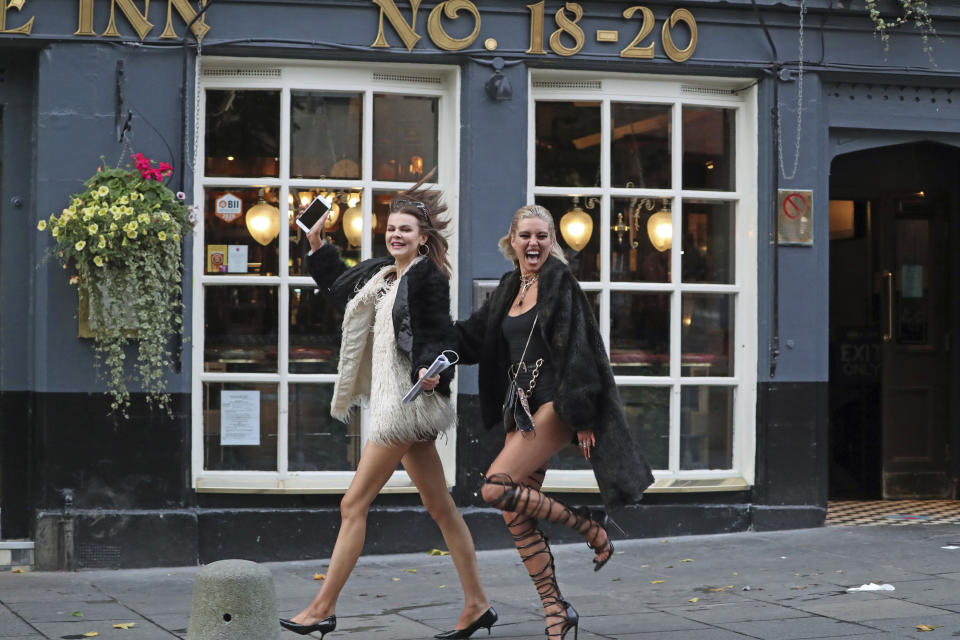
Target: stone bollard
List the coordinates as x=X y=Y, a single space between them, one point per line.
x=233 y=600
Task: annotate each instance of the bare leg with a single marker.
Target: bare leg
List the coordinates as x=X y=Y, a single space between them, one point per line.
x=513 y=484
x=423 y=464
x=376 y=465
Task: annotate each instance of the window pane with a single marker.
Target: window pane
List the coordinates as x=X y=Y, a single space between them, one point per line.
x=241 y=329
x=346 y=205
x=314 y=332
x=231 y=218
x=706 y=428
x=317 y=441
x=325 y=137
x=640 y=333
x=706 y=337
x=648 y=414
x=575 y=231
x=640 y=153
x=640 y=240
x=708 y=148
x=404 y=137
x=709 y=242
x=568 y=144
x=381 y=211
x=593 y=297
x=242 y=133
x=261 y=452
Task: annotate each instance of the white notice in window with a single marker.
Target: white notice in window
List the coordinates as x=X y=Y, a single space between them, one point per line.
x=237 y=258
x=240 y=418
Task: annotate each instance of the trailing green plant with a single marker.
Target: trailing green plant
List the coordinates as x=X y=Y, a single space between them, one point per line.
x=122 y=235
x=910 y=11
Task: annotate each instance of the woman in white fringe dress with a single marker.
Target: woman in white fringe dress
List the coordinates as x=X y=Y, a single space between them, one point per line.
x=396 y=321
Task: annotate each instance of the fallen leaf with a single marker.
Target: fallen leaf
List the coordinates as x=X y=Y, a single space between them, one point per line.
x=664 y=541
x=656 y=582
x=669 y=566
x=319 y=576
x=409 y=570
x=926 y=627
x=438 y=552
x=736 y=573
x=687 y=560
x=124 y=625
x=694 y=600
x=395 y=579
x=77 y=614
x=91 y=634
x=17 y=570
x=443 y=586
x=719 y=589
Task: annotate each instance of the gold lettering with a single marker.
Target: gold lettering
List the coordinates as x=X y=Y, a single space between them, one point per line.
x=18 y=5
x=571 y=28
x=186 y=12
x=406 y=31
x=632 y=50
x=451 y=8
x=137 y=20
x=675 y=54
x=536 y=28
x=85 y=22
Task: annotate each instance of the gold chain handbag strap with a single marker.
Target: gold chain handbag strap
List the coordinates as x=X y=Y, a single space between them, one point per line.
x=524 y=354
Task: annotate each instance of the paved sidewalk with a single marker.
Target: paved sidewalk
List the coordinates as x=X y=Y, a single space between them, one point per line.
x=782 y=585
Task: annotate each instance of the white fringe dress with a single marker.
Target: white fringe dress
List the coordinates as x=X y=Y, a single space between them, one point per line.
x=393 y=422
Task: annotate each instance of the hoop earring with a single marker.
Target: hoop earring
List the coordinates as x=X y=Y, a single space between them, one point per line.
x=423 y=246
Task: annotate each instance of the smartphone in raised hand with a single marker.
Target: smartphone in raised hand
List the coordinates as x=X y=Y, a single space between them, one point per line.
x=314 y=212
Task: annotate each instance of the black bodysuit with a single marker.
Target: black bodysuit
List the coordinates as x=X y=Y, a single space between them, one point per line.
x=515 y=332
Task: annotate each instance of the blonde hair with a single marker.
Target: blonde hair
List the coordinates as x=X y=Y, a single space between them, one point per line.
x=531 y=211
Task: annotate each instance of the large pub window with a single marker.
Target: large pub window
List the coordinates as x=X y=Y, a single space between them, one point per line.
x=272 y=136
x=652 y=185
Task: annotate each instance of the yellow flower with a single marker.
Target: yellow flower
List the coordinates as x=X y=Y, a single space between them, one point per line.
x=131 y=234
x=97 y=260
x=55 y=232
x=132 y=225
x=161 y=235
x=124 y=199
x=93 y=228
x=42 y=225
x=102 y=243
x=164 y=216
x=113 y=226
x=176 y=237
x=80 y=245
x=103 y=190
x=144 y=218
x=134 y=196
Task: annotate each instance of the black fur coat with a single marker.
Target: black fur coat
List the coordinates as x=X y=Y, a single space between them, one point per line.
x=586 y=394
x=421 y=311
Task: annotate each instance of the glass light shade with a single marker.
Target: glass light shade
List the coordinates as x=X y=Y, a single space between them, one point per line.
x=353 y=225
x=263 y=222
x=660 y=230
x=576 y=227
x=332 y=218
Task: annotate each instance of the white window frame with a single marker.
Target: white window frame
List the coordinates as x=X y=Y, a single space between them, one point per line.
x=442 y=82
x=740 y=95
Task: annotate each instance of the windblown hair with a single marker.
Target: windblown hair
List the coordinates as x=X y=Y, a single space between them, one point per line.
x=531 y=211
x=424 y=204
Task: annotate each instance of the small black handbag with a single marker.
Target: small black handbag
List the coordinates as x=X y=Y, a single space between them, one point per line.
x=516 y=406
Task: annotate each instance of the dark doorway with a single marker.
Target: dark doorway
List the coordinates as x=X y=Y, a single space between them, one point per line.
x=892 y=293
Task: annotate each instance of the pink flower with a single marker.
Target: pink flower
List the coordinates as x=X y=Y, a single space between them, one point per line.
x=181 y=195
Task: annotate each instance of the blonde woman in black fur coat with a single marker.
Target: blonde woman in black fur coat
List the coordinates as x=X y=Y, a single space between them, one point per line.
x=396 y=321
x=539 y=326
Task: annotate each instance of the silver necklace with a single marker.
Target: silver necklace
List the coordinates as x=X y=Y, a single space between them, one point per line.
x=526 y=281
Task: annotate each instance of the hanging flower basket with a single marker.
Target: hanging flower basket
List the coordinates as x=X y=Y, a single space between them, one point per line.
x=123 y=237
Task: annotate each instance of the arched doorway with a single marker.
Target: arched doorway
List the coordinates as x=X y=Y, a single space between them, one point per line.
x=893 y=293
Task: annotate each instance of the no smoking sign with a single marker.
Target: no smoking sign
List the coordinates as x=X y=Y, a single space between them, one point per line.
x=795 y=213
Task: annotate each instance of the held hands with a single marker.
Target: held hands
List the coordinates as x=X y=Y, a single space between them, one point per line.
x=315 y=235
x=428 y=384
x=586 y=440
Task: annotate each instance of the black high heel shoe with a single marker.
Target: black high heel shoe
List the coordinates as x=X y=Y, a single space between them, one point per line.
x=572 y=621
x=487 y=620
x=600 y=518
x=325 y=626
